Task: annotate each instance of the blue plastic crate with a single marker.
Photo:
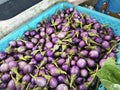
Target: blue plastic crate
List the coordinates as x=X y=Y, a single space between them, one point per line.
x=102 y=18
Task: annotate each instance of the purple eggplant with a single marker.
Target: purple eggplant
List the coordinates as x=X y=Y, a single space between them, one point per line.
x=11 y=85
x=82 y=87
x=53 y=82
x=40 y=81
x=34 y=40
x=74 y=70
x=13 y=64
x=49 y=53
x=3 y=86
x=9 y=59
x=37 y=36
x=29 y=45
x=49 y=45
x=98 y=40
x=61 y=61
x=54 y=71
x=13 y=43
x=61 y=35
x=79 y=80
x=73 y=62
x=102 y=62
x=26 y=78
x=83 y=72
x=82 y=44
x=65 y=28
x=50 y=59
x=33 y=61
x=94 y=54
x=20 y=43
x=2 y=55
x=4 y=67
x=49 y=30
x=21 y=49
x=32 y=33
x=61 y=78
x=81 y=63
x=21 y=65
x=76 y=40
x=5 y=78
x=38 y=57
x=105 y=44
x=107 y=37
x=62 y=87
x=91 y=63
x=96 y=26
x=65 y=67
x=84 y=52
x=28 y=69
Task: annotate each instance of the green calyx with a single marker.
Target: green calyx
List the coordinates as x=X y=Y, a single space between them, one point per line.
x=8 y=49
x=58 y=53
x=56 y=47
x=92 y=34
x=25 y=58
x=88 y=27
x=18 y=76
x=72 y=79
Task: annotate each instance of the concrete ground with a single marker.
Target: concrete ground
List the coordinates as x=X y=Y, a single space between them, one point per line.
x=3 y=1
x=6 y=26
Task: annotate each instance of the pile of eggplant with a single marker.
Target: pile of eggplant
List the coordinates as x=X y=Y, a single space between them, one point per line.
x=63 y=52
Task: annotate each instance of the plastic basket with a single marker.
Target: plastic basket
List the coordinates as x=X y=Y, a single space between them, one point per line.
x=104 y=19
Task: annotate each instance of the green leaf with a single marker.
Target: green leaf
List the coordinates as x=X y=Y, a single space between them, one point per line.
x=109 y=75
x=110 y=61
x=109 y=85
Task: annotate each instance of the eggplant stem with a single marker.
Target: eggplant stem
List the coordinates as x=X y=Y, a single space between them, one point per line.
x=34 y=77
x=41 y=63
x=47 y=77
x=91 y=72
x=89 y=83
x=72 y=80
x=54 y=62
x=112 y=48
x=27 y=88
x=8 y=49
x=37 y=88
